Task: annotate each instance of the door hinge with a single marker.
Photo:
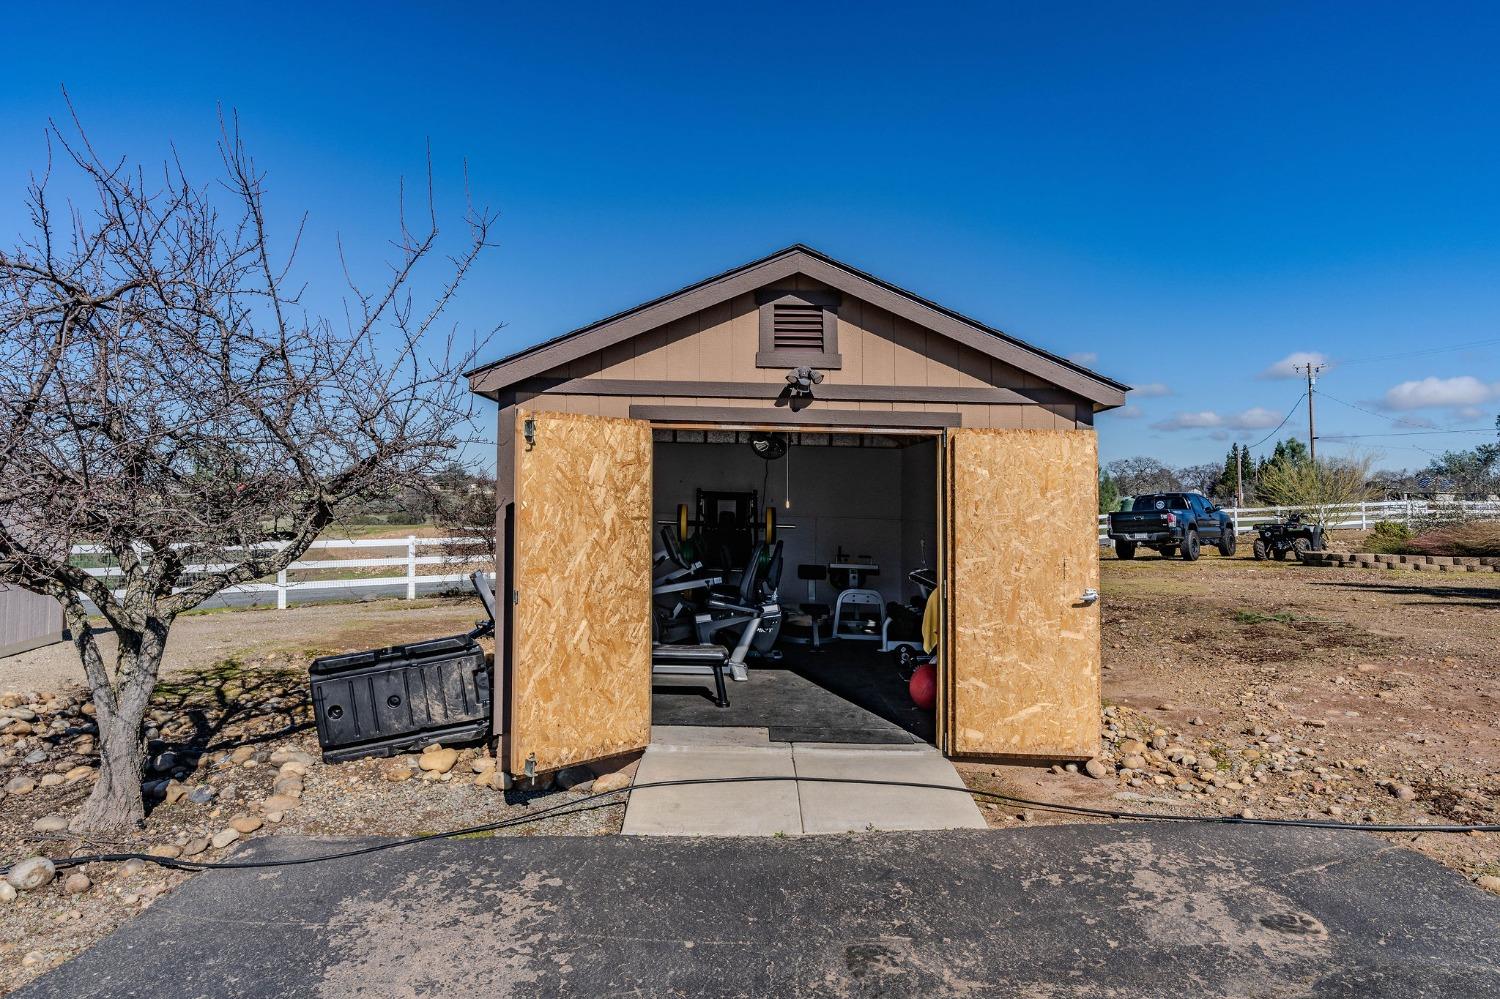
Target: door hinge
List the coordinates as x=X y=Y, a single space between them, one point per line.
x=515 y=598
x=528 y=430
x=531 y=766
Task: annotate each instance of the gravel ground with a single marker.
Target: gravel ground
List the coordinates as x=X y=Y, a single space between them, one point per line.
x=1229 y=685
x=1334 y=694
x=199 y=640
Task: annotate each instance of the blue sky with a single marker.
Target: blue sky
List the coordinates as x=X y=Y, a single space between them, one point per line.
x=1179 y=195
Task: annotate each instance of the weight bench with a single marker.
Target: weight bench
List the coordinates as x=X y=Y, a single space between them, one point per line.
x=693 y=660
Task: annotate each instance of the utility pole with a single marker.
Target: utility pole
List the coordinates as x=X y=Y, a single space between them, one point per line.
x=1239 y=478
x=1311 y=370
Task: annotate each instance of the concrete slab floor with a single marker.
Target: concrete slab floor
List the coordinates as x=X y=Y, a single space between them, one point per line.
x=773 y=808
x=835 y=808
x=750 y=809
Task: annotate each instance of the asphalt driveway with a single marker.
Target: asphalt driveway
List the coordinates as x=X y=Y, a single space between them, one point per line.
x=1062 y=911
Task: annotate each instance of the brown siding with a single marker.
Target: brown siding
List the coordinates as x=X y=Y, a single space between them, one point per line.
x=719 y=344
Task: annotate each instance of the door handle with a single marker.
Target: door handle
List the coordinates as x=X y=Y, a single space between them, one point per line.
x=1090 y=597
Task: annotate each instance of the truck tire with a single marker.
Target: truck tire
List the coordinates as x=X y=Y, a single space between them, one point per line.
x=1125 y=549
x=1259 y=550
x=1227 y=542
x=1190 y=546
x=1301 y=547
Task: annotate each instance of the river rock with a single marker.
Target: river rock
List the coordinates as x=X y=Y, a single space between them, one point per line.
x=7 y=893
x=284 y=756
x=20 y=785
x=77 y=774
x=1093 y=768
x=397 y=771
x=480 y=764
x=76 y=883
x=246 y=823
x=193 y=847
x=1132 y=747
x=31 y=873
x=291 y=768
x=1134 y=761
x=223 y=838
x=50 y=824
x=438 y=761
x=279 y=803
x=171 y=851
x=610 y=782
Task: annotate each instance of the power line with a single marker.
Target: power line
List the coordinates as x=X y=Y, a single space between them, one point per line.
x=1401 y=433
x=1420 y=353
x=1382 y=416
x=1288 y=416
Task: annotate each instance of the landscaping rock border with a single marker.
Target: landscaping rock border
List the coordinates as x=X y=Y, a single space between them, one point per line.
x=1416 y=563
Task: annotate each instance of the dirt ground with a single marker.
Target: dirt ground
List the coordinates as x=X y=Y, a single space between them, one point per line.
x=1230 y=687
x=1335 y=694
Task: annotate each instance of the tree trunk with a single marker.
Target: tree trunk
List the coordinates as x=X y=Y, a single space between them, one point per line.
x=119 y=709
x=116 y=801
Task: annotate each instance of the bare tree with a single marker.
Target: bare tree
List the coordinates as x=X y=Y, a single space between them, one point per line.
x=165 y=396
x=465 y=509
x=1321 y=490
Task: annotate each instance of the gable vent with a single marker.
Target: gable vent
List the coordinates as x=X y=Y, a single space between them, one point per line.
x=797 y=326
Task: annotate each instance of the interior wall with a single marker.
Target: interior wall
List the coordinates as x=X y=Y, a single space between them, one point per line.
x=875 y=502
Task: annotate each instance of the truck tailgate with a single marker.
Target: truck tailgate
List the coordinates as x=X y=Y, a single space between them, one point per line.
x=1138 y=522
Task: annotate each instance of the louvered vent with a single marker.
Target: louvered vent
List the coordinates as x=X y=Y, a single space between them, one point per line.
x=797 y=326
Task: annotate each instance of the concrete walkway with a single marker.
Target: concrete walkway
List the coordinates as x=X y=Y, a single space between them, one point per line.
x=789 y=808
x=1062 y=912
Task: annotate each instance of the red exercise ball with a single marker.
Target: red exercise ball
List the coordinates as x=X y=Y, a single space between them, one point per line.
x=923 y=686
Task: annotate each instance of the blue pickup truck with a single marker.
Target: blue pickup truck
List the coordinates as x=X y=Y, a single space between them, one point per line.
x=1170 y=523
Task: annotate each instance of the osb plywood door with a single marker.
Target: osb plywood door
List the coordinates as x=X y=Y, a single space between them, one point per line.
x=1024 y=666
x=581 y=654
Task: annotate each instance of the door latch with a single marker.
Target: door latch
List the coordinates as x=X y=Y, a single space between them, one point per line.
x=1090 y=597
x=528 y=430
x=531 y=766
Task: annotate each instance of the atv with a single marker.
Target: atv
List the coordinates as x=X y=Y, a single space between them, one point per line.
x=1291 y=535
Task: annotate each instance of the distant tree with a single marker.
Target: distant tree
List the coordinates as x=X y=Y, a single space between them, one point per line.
x=1203 y=478
x=1109 y=493
x=166 y=395
x=1138 y=475
x=1476 y=471
x=1231 y=478
x=1318 y=491
x=465 y=509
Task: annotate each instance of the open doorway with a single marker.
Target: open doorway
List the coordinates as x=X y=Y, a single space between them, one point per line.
x=838 y=532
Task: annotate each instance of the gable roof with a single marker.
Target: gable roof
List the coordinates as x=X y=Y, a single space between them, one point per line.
x=492 y=378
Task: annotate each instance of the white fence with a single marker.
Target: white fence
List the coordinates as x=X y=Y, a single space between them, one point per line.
x=287 y=590
x=1355 y=516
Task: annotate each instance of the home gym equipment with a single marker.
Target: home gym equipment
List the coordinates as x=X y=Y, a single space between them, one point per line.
x=748 y=610
x=902 y=633
x=806 y=629
x=385 y=701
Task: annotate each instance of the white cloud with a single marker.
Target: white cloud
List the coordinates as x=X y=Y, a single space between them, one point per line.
x=1468 y=413
x=1129 y=412
x=1151 y=390
x=1254 y=418
x=1084 y=357
x=1287 y=366
x=1429 y=393
x=1191 y=421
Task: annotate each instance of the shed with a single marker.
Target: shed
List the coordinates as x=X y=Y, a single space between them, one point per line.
x=28 y=621
x=887 y=433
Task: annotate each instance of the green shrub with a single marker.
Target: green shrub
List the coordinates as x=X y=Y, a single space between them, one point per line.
x=1389 y=537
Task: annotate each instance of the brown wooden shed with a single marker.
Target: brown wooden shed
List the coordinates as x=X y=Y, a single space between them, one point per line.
x=930 y=438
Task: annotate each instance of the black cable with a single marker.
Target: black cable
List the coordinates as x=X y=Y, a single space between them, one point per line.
x=1295 y=406
x=594 y=801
